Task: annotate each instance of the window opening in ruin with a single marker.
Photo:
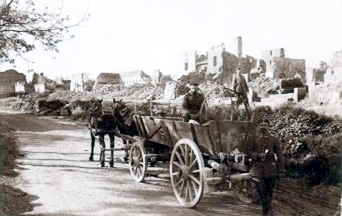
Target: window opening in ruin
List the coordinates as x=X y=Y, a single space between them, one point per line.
x=215 y=61
x=186 y=66
x=270 y=52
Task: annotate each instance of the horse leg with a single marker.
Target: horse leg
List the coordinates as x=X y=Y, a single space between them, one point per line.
x=112 y=139
x=103 y=146
x=92 y=144
x=126 y=150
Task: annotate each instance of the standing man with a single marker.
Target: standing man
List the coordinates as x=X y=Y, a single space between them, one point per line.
x=240 y=88
x=267 y=163
x=192 y=103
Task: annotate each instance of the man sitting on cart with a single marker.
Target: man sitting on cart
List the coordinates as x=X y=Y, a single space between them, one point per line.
x=267 y=164
x=192 y=103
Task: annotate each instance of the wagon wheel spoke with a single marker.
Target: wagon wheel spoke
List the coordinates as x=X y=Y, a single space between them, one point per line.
x=186 y=191
x=193 y=163
x=180 y=181
x=179 y=158
x=195 y=179
x=175 y=173
x=194 y=187
x=191 y=160
x=182 y=187
x=196 y=171
x=190 y=190
x=177 y=164
x=186 y=162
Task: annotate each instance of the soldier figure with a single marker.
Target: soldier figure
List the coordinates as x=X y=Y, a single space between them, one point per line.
x=192 y=103
x=240 y=88
x=267 y=163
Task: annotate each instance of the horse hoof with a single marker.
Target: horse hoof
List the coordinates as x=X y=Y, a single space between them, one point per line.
x=102 y=164
x=111 y=164
x=91 y=158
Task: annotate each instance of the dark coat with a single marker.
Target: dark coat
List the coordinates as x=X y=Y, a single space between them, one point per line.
x=265 y=165
x=193 y=101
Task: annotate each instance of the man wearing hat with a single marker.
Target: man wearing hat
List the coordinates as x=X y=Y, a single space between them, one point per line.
x=240 y=88
x=192 y=103
x=267 y=163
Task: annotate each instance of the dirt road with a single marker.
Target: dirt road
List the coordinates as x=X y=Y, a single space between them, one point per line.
x=56 y=169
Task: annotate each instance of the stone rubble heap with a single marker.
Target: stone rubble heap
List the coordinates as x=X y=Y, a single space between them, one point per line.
x=293 y=125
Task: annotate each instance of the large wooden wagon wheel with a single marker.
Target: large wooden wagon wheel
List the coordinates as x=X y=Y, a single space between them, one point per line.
x=186 y=172
x=137 y=161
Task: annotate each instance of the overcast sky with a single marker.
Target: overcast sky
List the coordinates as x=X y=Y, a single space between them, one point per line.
x=145 y=35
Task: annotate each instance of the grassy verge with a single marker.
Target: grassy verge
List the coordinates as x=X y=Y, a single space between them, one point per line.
x=12 y=201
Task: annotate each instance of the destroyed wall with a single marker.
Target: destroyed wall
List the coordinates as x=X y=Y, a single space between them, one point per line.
x=215 y=59
x=8 y=80
x=113 y=79
x=286 y=68
x=230 y=62
x=334 y=73
x=77 y=82
x=202 y=63
x=186 y=62
x=134 y=77
x=318 y=75
x=269 y=55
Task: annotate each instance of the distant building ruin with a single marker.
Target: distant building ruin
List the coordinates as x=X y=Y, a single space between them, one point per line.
x=186 y=62
x=20 y=87
x=113 y=79
x=215 y=59
x=279 y=67
x=134 y=77
x=77 y=82
x=334 y=73
x=8 y=81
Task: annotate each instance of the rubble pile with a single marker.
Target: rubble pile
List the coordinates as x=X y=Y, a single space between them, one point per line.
x=263 y=86
x=311 y=142
x=138 y=92
x=292 y=125
x=212 y=90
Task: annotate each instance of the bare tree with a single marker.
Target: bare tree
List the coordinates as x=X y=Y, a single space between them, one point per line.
x=22 y=28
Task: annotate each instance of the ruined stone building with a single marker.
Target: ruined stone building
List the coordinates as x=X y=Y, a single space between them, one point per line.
x=186 y=62
x=20 y=87
x=202 y=63
x=134 y=77
x=215 y=59
x=77 y=82
x=334 y=73
x=280 y=67
x=8 y=80
x=114 y=79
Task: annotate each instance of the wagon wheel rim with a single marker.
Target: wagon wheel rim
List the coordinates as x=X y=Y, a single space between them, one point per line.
x=137 y=162
x=186 y=173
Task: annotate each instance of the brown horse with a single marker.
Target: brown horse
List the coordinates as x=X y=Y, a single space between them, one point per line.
x=124 y=117
x=100 y=124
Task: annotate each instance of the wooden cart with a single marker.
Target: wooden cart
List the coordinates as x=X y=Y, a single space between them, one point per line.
x=200 y=156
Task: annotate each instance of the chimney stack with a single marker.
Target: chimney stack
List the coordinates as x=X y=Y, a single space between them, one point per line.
x=239 y=46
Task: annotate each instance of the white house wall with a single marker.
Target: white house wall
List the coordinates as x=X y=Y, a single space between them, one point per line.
x=215 y=51
x=19 y=87
x=76 y=84
x=40 y=87
x=132 y=78
x=188 y=58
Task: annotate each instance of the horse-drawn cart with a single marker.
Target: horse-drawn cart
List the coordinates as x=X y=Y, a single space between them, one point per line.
x=200 y=156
